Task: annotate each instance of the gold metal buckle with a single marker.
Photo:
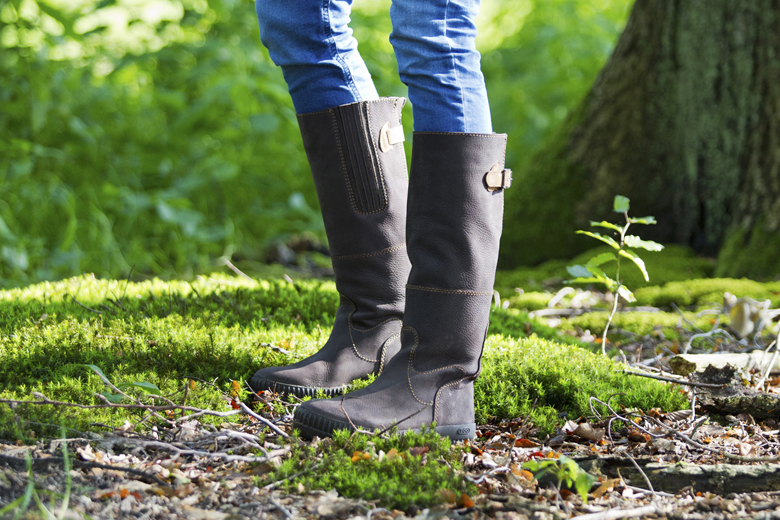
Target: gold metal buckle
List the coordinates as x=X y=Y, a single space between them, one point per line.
x=498 y=178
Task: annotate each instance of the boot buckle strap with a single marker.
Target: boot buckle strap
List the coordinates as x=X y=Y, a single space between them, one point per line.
x=390 y=136
x=498 y=178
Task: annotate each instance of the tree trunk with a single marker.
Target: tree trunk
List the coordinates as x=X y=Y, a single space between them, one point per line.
x=684 y=119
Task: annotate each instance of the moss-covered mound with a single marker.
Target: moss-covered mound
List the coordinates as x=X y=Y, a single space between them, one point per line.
x=223 y=328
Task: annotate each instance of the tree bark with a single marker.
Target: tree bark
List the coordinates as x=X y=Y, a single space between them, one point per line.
x=684 y=119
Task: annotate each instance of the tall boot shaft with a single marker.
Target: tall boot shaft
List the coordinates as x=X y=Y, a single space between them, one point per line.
x=454 y=224
x=453 y=233
x=359 y=167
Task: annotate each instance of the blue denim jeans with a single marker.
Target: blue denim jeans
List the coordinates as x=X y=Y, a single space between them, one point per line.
x=433 y=40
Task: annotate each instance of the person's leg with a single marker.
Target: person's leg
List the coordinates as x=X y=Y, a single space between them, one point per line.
x=312 y=42
x=454 y=223
x=354 y=145
x=434 y=42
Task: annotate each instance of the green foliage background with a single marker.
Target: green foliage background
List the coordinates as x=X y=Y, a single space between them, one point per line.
x=157 y=134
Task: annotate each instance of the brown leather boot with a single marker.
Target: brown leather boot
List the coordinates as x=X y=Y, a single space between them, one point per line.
x=359 y=167
x=456 y=205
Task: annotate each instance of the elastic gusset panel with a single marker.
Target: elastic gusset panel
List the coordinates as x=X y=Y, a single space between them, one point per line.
x=362 y=168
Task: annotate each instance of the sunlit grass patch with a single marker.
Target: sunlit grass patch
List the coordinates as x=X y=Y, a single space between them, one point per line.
x=217 y=330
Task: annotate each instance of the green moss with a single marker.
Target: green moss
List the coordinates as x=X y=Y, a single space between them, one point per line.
x=755 y=254
x=531 y=301
x=396 y=482
x=673 y=263
x=560 y=377
x=518 y=324
x=707 y=292
x=640 y=323
x=219 y=329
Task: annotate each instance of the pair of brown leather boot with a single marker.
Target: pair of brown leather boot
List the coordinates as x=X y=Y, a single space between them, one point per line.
x=420 y=326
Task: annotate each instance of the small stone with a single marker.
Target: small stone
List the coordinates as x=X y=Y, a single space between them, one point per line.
x=127 y=504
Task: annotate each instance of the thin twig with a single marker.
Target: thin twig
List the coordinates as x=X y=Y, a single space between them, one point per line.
x=81 y=304
x=649 y=484
x=201 y=453
x=197 y=411
x=38 y=463
x=695 y=444
x=280 y=508
x=236 y=269
x=672 y=380
x=277 y=482
x=263 y=420
x=710 y=333
x=614 y=514
x=402 y=420
x=760 y=384
x=643 y=490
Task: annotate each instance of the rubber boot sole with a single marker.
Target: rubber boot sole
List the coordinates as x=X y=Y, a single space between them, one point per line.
x=311 y=425
x=259 y=385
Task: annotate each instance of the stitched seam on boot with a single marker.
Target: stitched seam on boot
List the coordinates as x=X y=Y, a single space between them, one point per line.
x=354 y=310
x=411 y=368
x=436 y=405
x=391 y=249
x=465 y=292
x=384 y=350
x=352 y=339
x=416 y=344
x=461 y=133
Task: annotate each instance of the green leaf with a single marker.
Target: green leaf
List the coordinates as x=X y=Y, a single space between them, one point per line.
x=600 y=259
x=583 y=279
x=583 y=483
x=626 y=294
x=621 y=204
x=99 y=372
x=578 y=271
x=149 y=388
x=602 y=277
x=598 y=236
x=114 y=398
x=642 y=220
x=635 y=241
x=605 y=224
x=638 y=261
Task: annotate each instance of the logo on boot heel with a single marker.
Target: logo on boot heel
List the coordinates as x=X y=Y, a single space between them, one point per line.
x=463 y=431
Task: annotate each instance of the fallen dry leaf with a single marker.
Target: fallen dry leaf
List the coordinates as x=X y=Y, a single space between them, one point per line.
x=464 y=501
x=606 y=487
x=418 y=451
x=586 y=431
x=448 y=495
x=359 y=455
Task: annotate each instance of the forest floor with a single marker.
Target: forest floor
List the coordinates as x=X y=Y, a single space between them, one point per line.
x=148 y=381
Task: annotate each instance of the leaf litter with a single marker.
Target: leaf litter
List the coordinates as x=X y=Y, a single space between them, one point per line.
x=197 y=470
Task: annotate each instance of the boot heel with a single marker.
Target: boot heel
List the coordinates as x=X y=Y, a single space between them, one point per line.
x=458 y=432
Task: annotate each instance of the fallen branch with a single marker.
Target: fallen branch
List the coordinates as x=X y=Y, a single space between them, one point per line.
x=200 y=453
x=614 y=514
x=39 y=463
x=197 y=412
x=672 y=380
x=695 y=444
